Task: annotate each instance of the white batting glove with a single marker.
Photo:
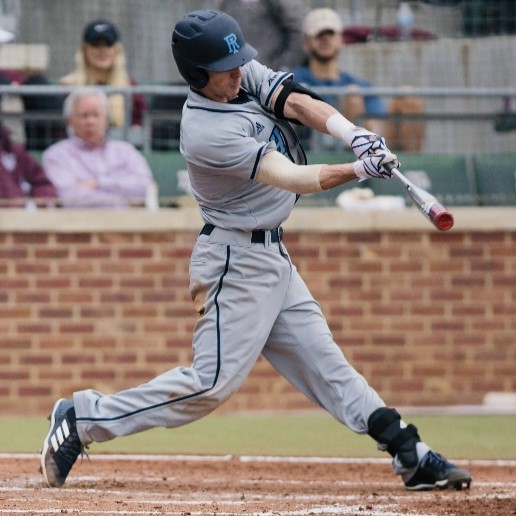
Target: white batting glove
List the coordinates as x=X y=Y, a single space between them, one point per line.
x=365 y=143
x=374 y=166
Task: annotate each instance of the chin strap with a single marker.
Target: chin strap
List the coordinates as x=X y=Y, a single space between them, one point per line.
x=394 y=435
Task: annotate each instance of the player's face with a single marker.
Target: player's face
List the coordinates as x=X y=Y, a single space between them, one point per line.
x=325 y=46
x=223 y=86
x=89 y=121
x=100 y=56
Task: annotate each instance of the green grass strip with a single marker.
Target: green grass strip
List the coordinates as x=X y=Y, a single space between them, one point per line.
x=461 y=436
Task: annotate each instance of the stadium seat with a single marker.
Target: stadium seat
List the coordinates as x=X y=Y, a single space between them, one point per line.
x=495 y=176
x=46 y=125
x=443 y=175
x=169 y=171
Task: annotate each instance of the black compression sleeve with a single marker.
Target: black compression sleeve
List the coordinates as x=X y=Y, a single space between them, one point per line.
x=290 y=86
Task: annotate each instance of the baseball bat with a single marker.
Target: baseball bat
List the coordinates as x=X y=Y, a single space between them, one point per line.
x=427 y=204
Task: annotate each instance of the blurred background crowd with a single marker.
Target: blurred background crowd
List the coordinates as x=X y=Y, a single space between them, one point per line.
x=448 y=57
x=146 y=25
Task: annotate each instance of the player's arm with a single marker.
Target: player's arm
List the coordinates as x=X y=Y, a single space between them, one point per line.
x=277 y=170
x=296 y=103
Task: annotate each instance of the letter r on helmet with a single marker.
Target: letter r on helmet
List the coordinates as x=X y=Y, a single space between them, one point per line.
x=232 y=43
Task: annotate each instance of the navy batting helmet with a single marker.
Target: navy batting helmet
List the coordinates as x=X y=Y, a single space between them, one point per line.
x=208 y=40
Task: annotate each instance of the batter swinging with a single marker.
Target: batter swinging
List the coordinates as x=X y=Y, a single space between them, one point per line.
x=247 y=170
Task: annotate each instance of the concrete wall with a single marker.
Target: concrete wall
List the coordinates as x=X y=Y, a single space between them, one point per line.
x=100 y=300
x=445 y=63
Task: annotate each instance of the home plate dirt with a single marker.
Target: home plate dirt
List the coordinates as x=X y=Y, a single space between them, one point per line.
x=261 y=486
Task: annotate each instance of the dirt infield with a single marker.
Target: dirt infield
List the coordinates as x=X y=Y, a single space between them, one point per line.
x=246 y=485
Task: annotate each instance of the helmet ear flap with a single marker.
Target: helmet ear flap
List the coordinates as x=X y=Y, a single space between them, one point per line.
x=196 y=77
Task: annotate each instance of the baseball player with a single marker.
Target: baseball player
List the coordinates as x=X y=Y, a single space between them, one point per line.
x=247 y=170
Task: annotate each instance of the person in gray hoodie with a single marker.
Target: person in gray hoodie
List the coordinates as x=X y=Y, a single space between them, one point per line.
x=273 y=27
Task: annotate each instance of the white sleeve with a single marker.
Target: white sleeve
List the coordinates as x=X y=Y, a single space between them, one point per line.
x=277 y=170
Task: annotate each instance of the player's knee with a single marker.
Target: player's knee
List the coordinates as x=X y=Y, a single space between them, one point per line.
x=223 y=389
x=394 y=435
x=210 y=400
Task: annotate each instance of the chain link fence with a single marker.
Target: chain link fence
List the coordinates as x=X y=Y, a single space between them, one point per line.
x=146 y=25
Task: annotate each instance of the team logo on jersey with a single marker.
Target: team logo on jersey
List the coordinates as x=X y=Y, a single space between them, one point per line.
x=259 y=128
x=279 y=139
x=232 y=43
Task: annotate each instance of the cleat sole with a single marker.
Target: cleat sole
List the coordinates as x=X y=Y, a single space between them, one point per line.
x=442 y=485
x=460 y=484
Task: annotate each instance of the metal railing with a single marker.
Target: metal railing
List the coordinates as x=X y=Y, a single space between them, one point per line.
x=489 y=106
x=459 y=121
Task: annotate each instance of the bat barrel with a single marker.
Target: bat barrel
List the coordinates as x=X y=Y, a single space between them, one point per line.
x=431 y=208
x=440 y=217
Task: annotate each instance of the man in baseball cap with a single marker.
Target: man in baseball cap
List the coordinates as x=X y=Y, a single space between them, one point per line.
x=100 y=30
x=323 y=41
x=321 y=20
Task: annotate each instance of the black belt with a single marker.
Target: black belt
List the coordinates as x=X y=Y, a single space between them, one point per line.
x=258 y=236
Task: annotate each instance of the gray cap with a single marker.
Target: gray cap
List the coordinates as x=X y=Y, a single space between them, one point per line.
x=321 y=20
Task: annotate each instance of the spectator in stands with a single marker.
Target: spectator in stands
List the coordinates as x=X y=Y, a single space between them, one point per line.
x=21 y=176
x=322 y=42
x=35 y=134
x=273 y=27
x=89 y=169
x=101 y=61
x=10 y=103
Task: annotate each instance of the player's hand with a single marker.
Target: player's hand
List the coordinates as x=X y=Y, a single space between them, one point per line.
x=375 y=165
x=365 y=143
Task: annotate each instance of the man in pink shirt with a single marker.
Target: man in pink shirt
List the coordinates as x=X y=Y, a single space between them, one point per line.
x=90 y=170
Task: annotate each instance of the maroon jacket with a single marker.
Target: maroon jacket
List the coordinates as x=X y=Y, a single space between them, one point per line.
x=21 y=175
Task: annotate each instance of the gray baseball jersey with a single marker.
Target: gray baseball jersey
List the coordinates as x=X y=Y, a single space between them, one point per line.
x=223 y=145
x=250 y=297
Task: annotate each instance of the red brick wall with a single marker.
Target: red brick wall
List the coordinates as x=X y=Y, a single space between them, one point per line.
x=428 y=318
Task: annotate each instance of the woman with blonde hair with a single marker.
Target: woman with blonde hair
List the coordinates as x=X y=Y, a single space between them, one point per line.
x=101 y=61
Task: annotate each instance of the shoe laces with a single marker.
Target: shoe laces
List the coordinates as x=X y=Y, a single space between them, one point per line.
x=70 y=449
x=436 y=461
